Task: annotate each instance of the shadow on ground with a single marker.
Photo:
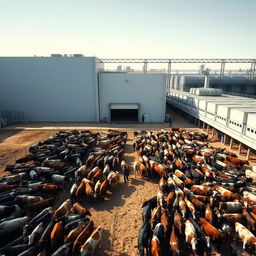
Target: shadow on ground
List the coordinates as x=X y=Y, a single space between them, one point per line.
x=112 y=200
x=4 y=134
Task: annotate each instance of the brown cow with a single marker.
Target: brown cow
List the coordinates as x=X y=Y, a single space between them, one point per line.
x=232 y=218
x=210 y=230
x=201 y=192
x=64 y=209
x=182 y=207
x=49 y=188
x=156 y=214
x=56 y=234
x=252 y=208
x=174 y=242
x=198 y=159
x=170 y=199
x=200 y=206
x=162 y=184
x=83 y=236
x=191 y=207
x=230 y=164
x=113 y=179
x=39 y=206
x=98 y=175
x=178 y=221
x=73 y=234
x=225 y=193
x=180 y=174
x=92 y=172
x=178 y=181
x=189 y=182
x=178 y=163
x=165 y=220
x=155 y=246
x=80 y=192
x=104 y=188
x=89 y=246
x=250 y=221
x=160 y=198
x=78 y=208
x=209 y=215
x=204 y=199
x=237 y=161
x=253 y=215
x=158 y=168
x=89 y=190
x=142 y=170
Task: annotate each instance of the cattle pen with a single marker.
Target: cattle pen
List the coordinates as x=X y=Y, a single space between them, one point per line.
x=120 y=213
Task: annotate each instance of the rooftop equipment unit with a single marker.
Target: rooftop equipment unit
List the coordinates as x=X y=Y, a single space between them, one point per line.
x=187 y=82
x=208 y=92
x=56 y=55
x=78 y=55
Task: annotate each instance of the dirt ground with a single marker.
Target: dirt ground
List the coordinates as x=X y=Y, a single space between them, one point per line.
x=120 y=214
x=15 y=143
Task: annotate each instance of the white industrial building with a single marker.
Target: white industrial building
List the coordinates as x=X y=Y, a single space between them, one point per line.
x=231 y=115
x=127 y=97
x=76 y=89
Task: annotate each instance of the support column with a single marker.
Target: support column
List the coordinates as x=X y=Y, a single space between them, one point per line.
x=145 y=66
x=203 y=126
x=239 y=148
x=248 y=154
x=222 y=72
x=231 y=142
x=224 y=139
x=217 y=134
x=213 y=132
x=208 y=127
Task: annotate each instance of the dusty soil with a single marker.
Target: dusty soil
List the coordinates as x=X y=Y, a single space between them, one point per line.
x=120 y=214
x=14 y=144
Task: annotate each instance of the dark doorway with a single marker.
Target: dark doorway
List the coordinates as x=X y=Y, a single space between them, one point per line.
x=124 y=115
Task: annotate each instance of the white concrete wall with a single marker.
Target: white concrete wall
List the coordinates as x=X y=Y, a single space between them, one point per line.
x=50 y=88
x=146 y=89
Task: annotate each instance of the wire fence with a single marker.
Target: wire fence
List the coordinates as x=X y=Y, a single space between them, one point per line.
x=11 y=117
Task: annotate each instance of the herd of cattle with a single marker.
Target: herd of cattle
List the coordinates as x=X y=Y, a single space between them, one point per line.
x=29 y=225
x=206 y=203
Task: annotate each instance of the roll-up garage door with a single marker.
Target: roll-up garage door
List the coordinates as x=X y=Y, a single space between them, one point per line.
x=124 y=112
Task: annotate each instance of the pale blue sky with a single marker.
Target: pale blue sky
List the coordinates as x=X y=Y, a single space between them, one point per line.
x=129 y=28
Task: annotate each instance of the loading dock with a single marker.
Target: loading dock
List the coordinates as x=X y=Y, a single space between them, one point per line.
x=124 y=112
x=125 y=97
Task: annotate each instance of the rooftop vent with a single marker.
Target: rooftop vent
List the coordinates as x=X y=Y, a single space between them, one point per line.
x=78 y=55
x=56 y=55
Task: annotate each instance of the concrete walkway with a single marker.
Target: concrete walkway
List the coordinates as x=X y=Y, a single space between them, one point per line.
x=179 y=121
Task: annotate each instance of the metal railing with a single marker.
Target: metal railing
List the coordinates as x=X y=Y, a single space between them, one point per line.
x=214 y=72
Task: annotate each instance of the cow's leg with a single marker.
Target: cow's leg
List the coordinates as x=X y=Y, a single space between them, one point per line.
x=93 y=250
x=147 y=252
